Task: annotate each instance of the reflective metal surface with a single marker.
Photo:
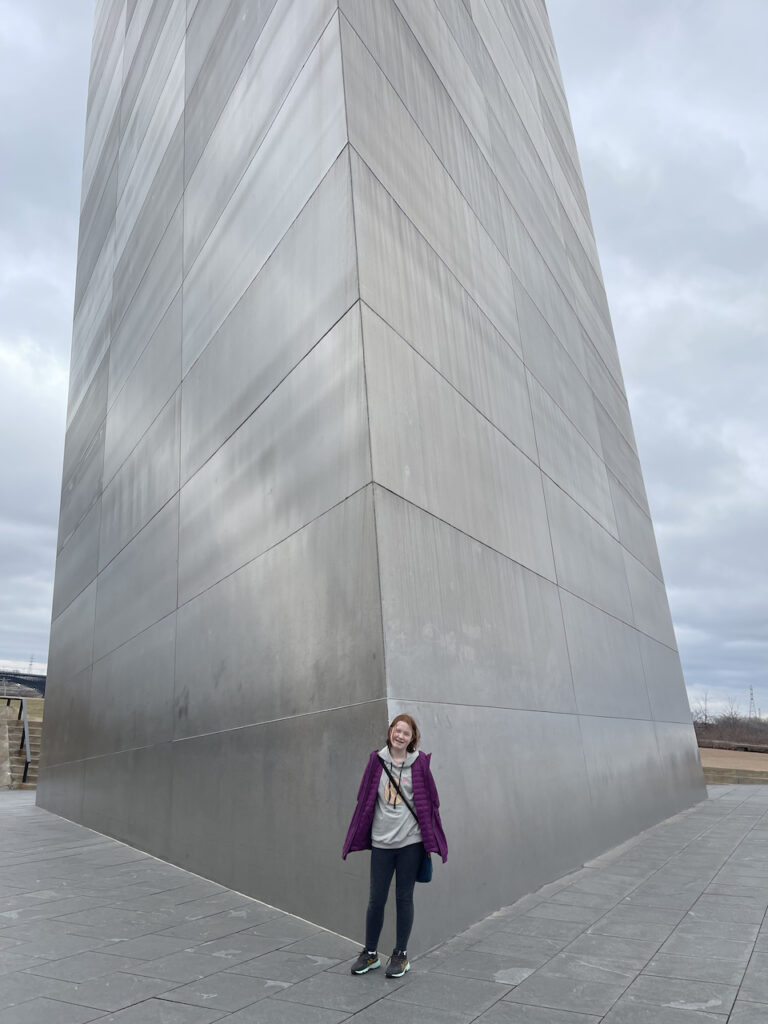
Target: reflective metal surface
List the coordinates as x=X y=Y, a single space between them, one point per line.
x=429 y=445
x=405 y=282
x=148 y=479
x=231 y=142
x=220 y=39
x=153 y=379
x=303 y=451
x=305 y=287
x=347 y=435
x=302 y=142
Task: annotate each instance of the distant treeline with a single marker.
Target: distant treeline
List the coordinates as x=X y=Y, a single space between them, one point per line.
x=730 y=726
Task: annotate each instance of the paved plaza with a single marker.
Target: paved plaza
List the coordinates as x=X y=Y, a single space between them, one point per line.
x=666 y=929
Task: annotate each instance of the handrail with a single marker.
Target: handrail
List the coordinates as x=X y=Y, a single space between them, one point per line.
x=25 y=739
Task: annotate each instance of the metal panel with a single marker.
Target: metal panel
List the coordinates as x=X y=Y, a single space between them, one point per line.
x=128 y=795
x=239 y=29
x=95 y=224
x=402 y=279
x=139 y=586
x=605 y=657
x=296 y=631
x=203 y=22
x=87 y=419
x=151 y=224
x=302 y=142
x=621 y=457
x=515 y=803
x=146 y=481
x=192 y=6
x=286 y=41
x=462 y=623
x=147 y=389
x=682 y=781
x=664 y=680
x=417 y=181
x=497 y=30
x=104 y=99
x=131 y=695
x=307 y=284
x=303 y=450
x=267 y=788
x=511 y=71
x=535 y=205
x=608 y=393
x=103 y=171
x=81 y=488
x=91 y=330
x=148 y=306
x=60 y=788
x=138 y=26
x=589 y=560
x=618 y=754
x=72 y=637
x=433 y=448
x=499 y=105
x=145 y=80
x=398 y=54
x=65 y=732
x=449 y=63
x=635 y=527
x=555 y=369
x=134 y=188
x=566 y=457
x=77 y=562
x=532 y=270
x=649 y=602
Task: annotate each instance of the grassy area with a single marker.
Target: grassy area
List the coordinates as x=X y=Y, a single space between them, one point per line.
x=34 y=706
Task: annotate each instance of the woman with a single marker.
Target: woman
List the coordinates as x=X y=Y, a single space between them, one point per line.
x=397 y=818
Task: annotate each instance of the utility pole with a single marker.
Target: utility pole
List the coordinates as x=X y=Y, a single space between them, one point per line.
x=752 y=707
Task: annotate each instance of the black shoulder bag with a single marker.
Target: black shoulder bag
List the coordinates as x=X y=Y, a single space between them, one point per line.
x=425 y=868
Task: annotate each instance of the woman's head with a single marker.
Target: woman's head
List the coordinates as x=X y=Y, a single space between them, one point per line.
x=399 y=728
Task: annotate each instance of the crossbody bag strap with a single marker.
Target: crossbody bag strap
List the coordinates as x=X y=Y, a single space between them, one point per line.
x=393 y=780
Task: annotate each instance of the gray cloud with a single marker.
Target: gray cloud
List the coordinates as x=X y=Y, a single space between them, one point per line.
x=44 y=47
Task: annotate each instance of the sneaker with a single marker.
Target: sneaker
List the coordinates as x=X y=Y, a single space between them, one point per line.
x=365 y=962
x=398 y=964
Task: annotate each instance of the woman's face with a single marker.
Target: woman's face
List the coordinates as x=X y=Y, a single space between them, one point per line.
x=400 y=735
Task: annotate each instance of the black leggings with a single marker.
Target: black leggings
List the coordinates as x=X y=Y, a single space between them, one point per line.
x=406 y=862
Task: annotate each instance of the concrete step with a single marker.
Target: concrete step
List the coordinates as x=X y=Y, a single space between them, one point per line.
x=18 y=754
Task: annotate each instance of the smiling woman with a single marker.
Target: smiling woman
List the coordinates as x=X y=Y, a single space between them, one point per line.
x=398 y=818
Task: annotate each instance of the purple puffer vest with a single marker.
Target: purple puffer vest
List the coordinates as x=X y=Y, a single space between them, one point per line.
x=426 y=803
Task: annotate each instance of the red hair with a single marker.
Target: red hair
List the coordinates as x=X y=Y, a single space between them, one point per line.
x=410 y=722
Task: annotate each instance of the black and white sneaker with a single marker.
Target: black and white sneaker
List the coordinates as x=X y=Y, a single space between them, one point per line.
x=398 y=964
x=365 y=962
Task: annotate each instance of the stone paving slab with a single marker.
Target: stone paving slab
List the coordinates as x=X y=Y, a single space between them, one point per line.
x=669 y=928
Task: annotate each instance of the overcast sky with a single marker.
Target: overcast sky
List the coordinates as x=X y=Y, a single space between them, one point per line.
x=668 y=103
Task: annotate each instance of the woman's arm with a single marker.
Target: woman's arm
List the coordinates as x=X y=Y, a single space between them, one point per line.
x=431 y=782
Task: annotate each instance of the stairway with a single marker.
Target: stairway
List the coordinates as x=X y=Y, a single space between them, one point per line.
x=18 y=756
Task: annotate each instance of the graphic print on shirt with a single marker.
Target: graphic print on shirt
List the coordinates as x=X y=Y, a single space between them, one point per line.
x=391 y=795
